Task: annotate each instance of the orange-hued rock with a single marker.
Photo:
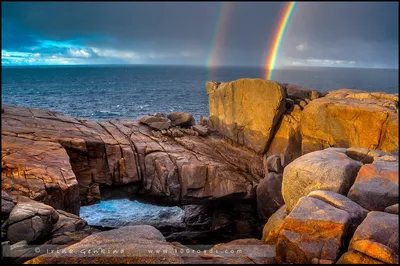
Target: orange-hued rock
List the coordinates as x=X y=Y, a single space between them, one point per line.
x=97 y=155
x=376 y=186
x=378 y=237
x=246 y=110
x=287 y=139
x=313 y=230
x=356 y=212
x=355 y=257
x=40 y=170
x=126 y=245
x=273 y=226
x=320 y=170
x=346 y=118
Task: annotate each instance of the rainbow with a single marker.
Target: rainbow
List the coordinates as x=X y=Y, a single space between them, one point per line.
x=218 y=36
x=278 y=36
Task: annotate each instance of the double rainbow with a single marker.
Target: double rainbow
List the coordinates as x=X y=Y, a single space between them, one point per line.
x=276 y=43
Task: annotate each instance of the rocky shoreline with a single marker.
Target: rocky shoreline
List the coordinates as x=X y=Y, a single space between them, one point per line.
x=318 y=171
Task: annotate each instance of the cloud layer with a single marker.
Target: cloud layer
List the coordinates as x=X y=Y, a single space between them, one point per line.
x=347 y=34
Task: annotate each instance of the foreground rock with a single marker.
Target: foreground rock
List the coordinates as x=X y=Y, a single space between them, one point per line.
x=321 y=170
x=313 y=230
x=246 y=110
x=30 y=221
x=130 y=244
x=75 y=161
x=375 y=240
x=269 y=196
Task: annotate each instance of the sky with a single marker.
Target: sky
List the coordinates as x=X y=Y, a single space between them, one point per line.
x=334 y=34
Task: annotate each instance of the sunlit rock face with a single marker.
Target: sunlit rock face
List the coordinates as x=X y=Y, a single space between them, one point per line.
x=123 y=212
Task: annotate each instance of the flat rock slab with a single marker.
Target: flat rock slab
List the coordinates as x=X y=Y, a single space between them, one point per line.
x=319 y=170
x=70 y=159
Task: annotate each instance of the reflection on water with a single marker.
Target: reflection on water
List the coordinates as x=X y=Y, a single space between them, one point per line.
x=122 y=212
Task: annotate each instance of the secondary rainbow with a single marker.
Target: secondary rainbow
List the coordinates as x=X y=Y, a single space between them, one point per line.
x=218 y=37
x=278 y=36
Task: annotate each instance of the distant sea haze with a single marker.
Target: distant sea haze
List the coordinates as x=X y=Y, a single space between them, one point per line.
x=101 y=92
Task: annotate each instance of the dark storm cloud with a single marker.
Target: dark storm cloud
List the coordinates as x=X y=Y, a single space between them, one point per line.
x=359 y=34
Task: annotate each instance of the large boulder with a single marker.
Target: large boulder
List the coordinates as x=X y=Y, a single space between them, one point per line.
x=377 y=238
x=313 y=230
x=269 y=196
x=68 y=222
x=30 y=220
x=7 y=204
x=139 y=244
x=376 y=186
x=246 y=110
x=346 y=118
x=320 y=170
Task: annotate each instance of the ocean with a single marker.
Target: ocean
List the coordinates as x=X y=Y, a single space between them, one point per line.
x=102 y=92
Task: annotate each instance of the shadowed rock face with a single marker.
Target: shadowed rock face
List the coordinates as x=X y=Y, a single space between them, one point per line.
x=246 y=110
x=64 y=161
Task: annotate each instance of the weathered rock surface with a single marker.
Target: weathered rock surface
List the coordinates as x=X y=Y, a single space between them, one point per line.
x=356 y=212
x=156 y=122
x=346 y=118
x=312 y=230
x=68 y=222
x=246 y=110
x=39 y=170
x=128 y=244
x=376 y=186
x=377 y=238
x=273 y=226
x=181 y=119
x=319 y=170
x=30 y=220
x=202 y=130
x=269 y=196
x=62 y=156
x=274 y=164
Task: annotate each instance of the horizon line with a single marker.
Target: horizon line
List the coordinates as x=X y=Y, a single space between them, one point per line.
x=188 y=65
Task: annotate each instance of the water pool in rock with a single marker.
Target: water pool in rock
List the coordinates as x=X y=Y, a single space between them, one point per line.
x=122 y=212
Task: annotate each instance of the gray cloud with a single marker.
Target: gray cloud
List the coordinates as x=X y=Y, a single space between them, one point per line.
x=182 y=32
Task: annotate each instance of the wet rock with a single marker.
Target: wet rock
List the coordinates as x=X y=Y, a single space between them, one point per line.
x=320 y=170
x=313 y=229
x=376 y=186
